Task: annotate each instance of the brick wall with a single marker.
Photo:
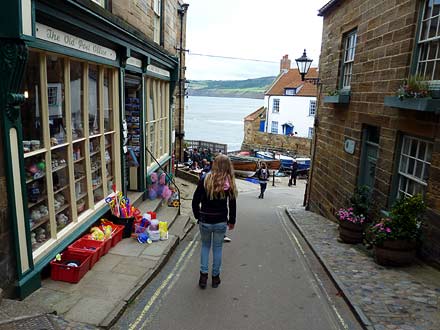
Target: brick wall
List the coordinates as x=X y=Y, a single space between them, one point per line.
x=386 y=31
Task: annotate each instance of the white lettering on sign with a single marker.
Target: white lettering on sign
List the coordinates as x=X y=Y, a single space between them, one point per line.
x=157 y=70
x=64 y=39
x=134 y=62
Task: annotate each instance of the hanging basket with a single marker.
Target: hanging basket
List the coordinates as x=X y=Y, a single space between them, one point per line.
x=351 y=233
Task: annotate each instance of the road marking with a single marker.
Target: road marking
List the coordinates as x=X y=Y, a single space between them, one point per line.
x=295 y=242
x=189 y=249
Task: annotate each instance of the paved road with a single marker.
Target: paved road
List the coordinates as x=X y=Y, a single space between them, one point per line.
x=269 y=279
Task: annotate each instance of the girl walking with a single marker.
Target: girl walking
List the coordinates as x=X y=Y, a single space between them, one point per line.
x=263 y=177
x=213 y=201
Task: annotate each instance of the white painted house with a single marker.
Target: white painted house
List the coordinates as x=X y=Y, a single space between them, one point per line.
x=291 y=103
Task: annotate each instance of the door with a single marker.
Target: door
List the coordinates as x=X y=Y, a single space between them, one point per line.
x=369 y=156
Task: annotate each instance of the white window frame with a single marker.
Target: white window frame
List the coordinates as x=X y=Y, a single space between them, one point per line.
x=276 y=106
x=414 y=164
x=349 y=43
x=274 y=127
x=428 y=57
x=157 y=4
x=312 y=108
x=290 y=91
x=310 y=132
x=99 y=2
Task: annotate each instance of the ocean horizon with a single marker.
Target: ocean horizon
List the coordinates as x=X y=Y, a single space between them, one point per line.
x=218 y=119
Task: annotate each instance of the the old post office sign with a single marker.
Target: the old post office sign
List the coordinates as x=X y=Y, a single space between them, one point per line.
x=349 y=146
x=50 y=34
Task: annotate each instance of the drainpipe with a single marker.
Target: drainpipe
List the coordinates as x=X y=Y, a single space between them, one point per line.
x=267 y=113
x=180 y=133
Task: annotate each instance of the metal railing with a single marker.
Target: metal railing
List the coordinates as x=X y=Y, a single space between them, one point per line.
x=213 y=146
x=170 y=179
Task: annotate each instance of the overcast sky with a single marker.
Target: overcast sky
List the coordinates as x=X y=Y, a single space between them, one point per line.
x=252 y=29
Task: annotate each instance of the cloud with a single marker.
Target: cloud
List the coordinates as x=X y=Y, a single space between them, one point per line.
x=256 y=29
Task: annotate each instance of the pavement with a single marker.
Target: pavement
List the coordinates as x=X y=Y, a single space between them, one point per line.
x=406 y=298
x=382 y=298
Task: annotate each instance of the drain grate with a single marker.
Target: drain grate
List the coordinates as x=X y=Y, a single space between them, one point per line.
x=32 y=323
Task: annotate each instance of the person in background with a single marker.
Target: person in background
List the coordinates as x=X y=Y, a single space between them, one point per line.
x=263 y=177
x=214 y=206
x=293 y=173
x=206 y=167
x=195 y=157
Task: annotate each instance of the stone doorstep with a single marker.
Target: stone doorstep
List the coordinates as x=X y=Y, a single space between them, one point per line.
x=366 y=323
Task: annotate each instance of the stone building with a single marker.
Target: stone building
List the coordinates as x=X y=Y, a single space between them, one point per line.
x=87 y=99
x=363 y=133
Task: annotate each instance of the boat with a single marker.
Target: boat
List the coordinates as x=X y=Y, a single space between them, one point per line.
x=286 y=161
x=248 y=165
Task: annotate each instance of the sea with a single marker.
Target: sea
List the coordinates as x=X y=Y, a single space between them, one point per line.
x=218 y=119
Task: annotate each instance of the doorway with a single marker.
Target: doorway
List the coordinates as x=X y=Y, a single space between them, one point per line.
x=133 y=117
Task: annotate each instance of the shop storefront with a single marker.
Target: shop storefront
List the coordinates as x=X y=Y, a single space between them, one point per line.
x=96 y=115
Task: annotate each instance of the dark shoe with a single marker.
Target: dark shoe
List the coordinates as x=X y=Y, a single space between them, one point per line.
x=203 y=281
x=216 y=281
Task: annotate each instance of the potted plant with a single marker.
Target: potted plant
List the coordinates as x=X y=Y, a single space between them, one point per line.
x=395 y=237
x=352 y=219
x=415 y=94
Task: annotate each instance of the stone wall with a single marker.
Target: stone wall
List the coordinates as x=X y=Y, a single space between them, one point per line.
x=256 y=140
x=384 y=50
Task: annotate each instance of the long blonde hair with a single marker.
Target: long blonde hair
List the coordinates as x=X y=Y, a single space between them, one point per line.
x=221 y=172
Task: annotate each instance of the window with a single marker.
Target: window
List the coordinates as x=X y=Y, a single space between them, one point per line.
x=68 y=155
x=349 y=44
x=276 y=105
x=157 y=121
x=414 y=165
x=100 y=2
x=312 y=108
x=310 y=132
x=157 y=4
x=428 y=63
x=290 y=91
x=274 y=127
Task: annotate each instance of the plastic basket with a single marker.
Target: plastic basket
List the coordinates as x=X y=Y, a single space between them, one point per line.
x=59 y=271
x=91 y=247
x=106 y=244
x=117 y=233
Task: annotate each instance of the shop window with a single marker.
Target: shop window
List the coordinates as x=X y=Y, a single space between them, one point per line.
x=414 y=166
x=68 y=171
x=157 y=121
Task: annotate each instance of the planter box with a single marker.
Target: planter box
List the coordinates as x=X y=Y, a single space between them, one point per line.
x=340 y=99
x=422 y=104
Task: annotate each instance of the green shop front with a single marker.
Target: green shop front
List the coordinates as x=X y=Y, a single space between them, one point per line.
x=86 y=108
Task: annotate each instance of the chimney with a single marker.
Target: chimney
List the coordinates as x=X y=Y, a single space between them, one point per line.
x=285 y=63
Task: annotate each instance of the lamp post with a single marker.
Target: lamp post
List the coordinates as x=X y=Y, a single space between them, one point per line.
x=304 y=64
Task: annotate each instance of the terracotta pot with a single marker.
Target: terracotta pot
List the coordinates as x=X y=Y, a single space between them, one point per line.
x=395 y=253
x=351 y=233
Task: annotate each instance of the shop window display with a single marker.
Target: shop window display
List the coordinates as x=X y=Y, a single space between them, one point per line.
x=76 y=99
x=31 y=109
x=65 y=148
x=55 y=99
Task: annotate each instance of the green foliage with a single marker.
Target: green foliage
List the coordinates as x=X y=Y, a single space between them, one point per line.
x=257 y=84
x=360 y=201
x=332 y=92
x=415 y=87
x=404 y=221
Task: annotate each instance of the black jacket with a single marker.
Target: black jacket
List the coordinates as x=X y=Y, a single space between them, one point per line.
x=213 y=211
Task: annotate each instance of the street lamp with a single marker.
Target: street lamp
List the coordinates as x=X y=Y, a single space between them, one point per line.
x=304 y=64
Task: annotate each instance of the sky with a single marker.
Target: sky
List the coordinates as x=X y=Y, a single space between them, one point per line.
x=264 y=30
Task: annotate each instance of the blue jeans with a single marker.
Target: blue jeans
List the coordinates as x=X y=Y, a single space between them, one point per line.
x=212 y=232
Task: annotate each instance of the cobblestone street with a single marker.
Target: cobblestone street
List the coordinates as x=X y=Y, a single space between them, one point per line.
x=385 y=298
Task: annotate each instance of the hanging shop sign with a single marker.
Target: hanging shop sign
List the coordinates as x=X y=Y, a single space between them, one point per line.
x=134 y=62
x=50 y=34
x=157 y=70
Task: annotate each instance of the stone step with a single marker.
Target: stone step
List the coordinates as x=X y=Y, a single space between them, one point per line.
x=182 y=225
x=168 y=214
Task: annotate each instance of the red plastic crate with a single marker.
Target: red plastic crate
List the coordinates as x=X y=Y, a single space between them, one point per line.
x=106 y=244
x=88 y=246
x=117 y=234
x=59 y=271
